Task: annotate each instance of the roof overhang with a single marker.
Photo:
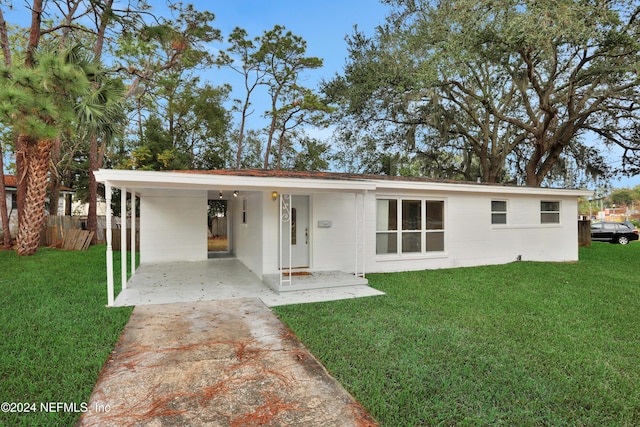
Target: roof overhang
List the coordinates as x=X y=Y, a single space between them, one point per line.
x=137 y=180
x=462 y=187
x=195 y=181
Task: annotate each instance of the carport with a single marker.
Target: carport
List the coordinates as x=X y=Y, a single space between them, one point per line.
x=173 y=209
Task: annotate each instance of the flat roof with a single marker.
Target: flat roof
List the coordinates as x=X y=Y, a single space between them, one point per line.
x=259 y=179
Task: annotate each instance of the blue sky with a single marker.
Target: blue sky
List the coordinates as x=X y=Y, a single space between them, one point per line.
x=323 y=24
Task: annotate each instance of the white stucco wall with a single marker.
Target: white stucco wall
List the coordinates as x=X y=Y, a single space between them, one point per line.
x=333 y=247
x=173 y=225
x=330 y=248
x=173 y=228
x=271 y=234
x=13 y=218
x=471 y=239
x=247 y=236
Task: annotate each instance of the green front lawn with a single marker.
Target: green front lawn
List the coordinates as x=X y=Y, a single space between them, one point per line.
x=523 y=344
x=56 y=331
x=519 y=344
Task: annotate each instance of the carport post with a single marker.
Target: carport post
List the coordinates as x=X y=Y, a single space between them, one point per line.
x=107 y=196
x=133 y=233
x=123 y=236
x=360 y=234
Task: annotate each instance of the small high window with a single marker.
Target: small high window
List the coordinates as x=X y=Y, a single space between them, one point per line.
x=549 y=212
x=498 y=212
x=244 y=211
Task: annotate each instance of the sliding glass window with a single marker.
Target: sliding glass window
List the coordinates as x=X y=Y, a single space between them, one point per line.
x=409 y=226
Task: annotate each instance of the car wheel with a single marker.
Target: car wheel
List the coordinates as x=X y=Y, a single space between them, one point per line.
x=623 y=240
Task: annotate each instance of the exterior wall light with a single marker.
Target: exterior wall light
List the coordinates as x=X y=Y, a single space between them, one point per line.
x=274 y=195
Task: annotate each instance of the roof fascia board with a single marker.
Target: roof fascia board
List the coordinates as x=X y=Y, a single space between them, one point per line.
x=476 y=188
x=179 y=180
x=154 y=179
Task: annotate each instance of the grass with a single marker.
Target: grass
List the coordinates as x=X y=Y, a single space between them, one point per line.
x=57 y=333
x=217 y=244
x=524 y=344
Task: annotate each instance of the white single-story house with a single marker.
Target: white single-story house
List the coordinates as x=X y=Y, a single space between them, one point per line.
x=282 y=222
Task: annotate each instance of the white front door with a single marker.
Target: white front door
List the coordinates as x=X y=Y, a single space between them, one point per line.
x=299 y=233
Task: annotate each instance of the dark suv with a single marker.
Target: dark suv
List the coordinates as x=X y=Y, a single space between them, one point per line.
x=614 y=232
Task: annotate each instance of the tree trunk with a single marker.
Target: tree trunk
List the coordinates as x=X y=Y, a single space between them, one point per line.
x=22 y=159
x=272 y=129
x=34 y=32
x=38 y=153
x=4 y=216
x=67 y=205
x=54 y=178
x=92 y=216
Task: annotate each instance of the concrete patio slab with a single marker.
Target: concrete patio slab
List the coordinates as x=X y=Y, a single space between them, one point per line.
x=216 y=363
x=228 y=278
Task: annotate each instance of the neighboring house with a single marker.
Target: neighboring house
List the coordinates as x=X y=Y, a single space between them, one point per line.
x=282 y=221
x=80 y=208
x=11 y=186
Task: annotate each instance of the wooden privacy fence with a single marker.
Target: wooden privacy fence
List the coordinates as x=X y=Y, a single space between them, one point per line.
x=219 y=226
x=65 y=232
x=69 y=232
x=584 y=233
x=116 y=239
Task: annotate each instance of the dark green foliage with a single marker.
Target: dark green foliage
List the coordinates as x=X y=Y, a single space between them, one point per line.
x=515 y=90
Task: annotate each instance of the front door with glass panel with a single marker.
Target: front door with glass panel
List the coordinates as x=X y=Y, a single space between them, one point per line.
x=295 y=234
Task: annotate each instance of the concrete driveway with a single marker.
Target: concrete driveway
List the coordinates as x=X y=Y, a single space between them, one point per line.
x=216 y=363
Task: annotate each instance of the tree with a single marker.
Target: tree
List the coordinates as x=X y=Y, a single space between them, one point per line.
x=68 y=22
x=242 y=57
x=621 y=197
x=274 y=60
x=155 y=57
x=283 y=56
x=4 y=217
x=39 y=102
x=520 y=86
x=313 y=156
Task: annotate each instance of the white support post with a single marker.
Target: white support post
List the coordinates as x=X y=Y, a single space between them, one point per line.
x=360 y=234
x=284 y=212
x=364 y=234
x=280 y=251
x=356 y=228
x=123 y=236
x=107 y=196
x=133 y=233
x=290 y=238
